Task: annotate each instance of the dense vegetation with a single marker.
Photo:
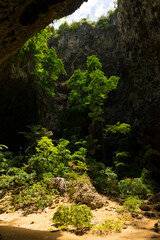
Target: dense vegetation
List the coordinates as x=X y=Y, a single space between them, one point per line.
x=103 y=23
x=81 y=152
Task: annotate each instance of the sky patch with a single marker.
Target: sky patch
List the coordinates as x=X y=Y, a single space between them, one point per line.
x=92 y=10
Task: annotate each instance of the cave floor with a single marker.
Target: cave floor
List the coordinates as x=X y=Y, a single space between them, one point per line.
x=17 y=226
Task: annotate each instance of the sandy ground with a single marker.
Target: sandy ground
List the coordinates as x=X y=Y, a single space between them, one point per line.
x=36 y=226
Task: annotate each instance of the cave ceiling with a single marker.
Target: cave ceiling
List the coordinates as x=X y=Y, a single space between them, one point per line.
x=21 y=19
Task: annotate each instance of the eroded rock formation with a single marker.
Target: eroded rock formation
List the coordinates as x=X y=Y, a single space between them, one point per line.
x=20 y=19
x=139 y=44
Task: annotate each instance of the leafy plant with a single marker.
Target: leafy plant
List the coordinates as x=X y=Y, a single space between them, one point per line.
x=121 y=161
x=134 y=187
x=90 y=89
x=47 y=66
x=149 y=153
x=131 y=204
x=16 y=177
x=103 y=22
x=108 y=227
x=122 y=128
x=33 y=136
x=89 y=143
x=57 y=160
x=37 y=196
x=104 y=178
x=77 y=216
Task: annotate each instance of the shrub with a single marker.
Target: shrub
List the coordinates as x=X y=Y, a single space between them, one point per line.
x=103 y=177
x=77 y=216
x=36 y=196
x=109 y=226
x=134 y=187
x=16 y=177
x=131 y=204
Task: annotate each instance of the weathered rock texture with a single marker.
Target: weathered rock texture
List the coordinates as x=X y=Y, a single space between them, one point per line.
x=85 y=193
x=139 y=43
x=20 y=19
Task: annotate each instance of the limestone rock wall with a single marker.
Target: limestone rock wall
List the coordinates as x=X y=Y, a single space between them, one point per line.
x=21 y=19
x=139 y=44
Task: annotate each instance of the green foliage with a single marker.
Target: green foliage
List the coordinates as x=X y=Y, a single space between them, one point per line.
x=90 y=89
x=32 y=178
x=47 y=65
x=78 y=160
x=57 y=160
x=141 y=187
x=35 y=133
x=7 y=160
x=76 y=216
x=16 y=177
x=134 y=187
x=63 y=27
x=89 y=143
x=149 y=152
x=121 y=161
x=121 y=158
x=103 y=177
x=3 y=147
x=131 y=204
x=47 y=69
x=37 y=196
x=149 y=182
x=122 y=128
x=73 y=26
x=37 y=44
x=108 y=227
x=4 y=165
x=103 y=22
x=46 y=146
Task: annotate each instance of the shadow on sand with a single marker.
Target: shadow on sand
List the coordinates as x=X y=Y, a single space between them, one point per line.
x=16 y=233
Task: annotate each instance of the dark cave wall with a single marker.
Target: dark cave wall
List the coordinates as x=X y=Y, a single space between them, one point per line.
x=23 y=102
x=21 y=19
x=139 y=44
x=18 y=101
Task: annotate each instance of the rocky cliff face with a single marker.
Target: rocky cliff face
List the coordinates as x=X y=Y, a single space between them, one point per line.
x=139 y=43
x=19 y=20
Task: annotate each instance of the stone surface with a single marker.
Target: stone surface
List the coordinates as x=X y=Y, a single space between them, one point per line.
x=139 y=44
x=157 y=226
x=85 y=193
x=20 y=19
x=58 y=183
x=144 y=207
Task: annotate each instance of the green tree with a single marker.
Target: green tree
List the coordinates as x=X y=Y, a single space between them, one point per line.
x=90 y=89
x=47 y=66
